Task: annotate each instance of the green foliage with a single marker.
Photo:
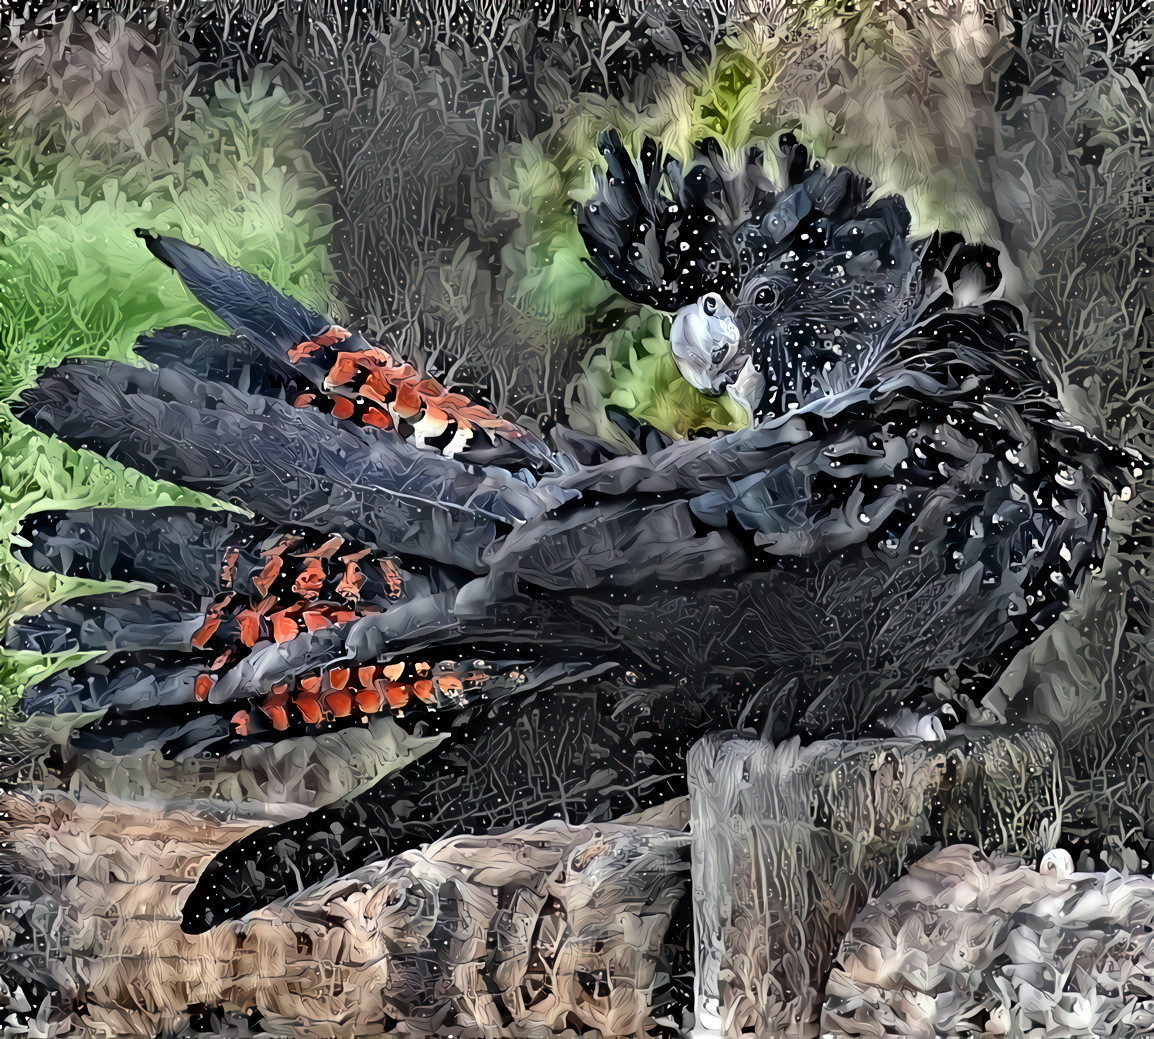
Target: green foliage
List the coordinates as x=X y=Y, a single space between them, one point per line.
x=535 y=184
x=36 y=472
x=729 y=98
x=76 y=281
x=727 y=104
x=548 y=280
x=633 y=370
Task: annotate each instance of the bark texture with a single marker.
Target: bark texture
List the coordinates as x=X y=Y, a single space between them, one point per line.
x=789 y=843
x=547 y=930
x=969 y=943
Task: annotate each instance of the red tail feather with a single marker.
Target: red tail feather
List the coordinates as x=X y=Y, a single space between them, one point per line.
x=372 y=376
x=342 y=693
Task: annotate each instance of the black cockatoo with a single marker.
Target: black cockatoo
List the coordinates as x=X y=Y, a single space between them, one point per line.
x=908 y=505
x=782 y=297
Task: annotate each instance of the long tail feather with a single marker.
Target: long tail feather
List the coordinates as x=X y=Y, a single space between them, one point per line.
x=204 y=554
x=152 y=696
x=173 y=730
x=247 y=304
x=451 y=622
x=221 y=358
x=293 y=466
x=183 y=548
x=363 y=381
x=435 y=701
x=131 y=621
x=132 y=682
x=620 y=546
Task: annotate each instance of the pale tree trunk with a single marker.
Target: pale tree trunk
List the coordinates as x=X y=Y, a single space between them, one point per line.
x=790 y=842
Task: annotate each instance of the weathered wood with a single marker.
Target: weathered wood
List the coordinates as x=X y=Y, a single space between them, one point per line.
x=547 y=930
x=551 y=929
x=96 y=885
x=789 y=842
x=968 y=944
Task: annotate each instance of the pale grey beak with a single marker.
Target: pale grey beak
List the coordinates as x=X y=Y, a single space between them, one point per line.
x=704 y=345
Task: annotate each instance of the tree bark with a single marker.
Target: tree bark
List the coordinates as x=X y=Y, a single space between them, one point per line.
x=547 y=930
x=790 y=842
x=970 y=944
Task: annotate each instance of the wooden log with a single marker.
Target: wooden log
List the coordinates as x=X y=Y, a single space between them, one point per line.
x=969 y=944
x=90 y=914
x=547 y=930
x=789 y=842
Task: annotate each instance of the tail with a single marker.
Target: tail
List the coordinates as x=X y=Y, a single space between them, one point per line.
x=354 y=379
x=221 y=358
x=274 y=322
x=292 y=466
x=166 y=700
x=199 y=553
x=181 y=548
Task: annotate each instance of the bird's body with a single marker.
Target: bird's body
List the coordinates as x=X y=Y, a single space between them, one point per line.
x=908 y=506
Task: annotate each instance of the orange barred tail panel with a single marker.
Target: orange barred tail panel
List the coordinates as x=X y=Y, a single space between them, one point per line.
x=292 y=567
x=330 y=697
x=372 y=387
x=367 y=384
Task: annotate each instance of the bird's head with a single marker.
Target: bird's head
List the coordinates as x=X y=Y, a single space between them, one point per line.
x=711 y=354
x=816 y=313
x=779 y=296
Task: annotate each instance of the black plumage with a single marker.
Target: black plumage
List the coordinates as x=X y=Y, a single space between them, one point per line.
x=823 y=283
x=909 y=508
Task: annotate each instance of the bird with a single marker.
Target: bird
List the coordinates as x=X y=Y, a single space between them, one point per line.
x=814 y=299
x=907 y=508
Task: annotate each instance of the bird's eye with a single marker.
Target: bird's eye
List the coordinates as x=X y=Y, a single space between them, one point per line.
x=709 y=304
x=766 y=296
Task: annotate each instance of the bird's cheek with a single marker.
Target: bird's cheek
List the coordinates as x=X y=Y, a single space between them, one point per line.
x=686 y=334
x=696 y=328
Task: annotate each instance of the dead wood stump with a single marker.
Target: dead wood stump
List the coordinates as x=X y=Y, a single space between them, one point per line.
x=970 y=944
x=789 y=842
x=98 y=852
x=91 y=912
x=547 y=930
